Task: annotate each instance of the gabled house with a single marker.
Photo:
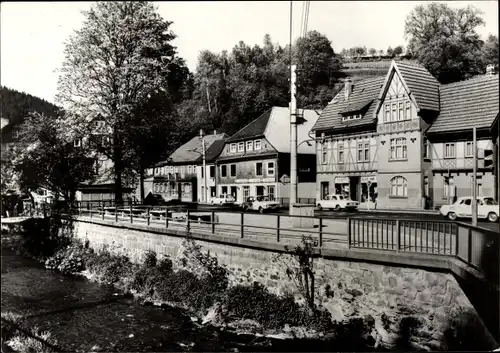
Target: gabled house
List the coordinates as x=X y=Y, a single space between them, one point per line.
x=495 y=133
x=395 y=141
x=255 y=161
x=464 y=105
x=177 y=177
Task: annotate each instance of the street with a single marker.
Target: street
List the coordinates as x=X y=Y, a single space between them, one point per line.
x=366 y=215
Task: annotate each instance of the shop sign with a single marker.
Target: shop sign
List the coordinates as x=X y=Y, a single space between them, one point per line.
x=369 y=179
x=342 y=180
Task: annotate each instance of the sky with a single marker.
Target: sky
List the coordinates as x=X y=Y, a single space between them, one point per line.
x=33 y=33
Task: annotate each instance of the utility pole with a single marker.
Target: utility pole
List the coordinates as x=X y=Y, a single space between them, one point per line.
x=474 y=178
x=293 y=140
x=204 y=171
x=449 y=185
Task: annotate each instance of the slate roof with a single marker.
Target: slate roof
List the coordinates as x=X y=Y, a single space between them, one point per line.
x=254 y=129
x=464 y=104
x=422 y=85
x=363 y=94
x=184 y=154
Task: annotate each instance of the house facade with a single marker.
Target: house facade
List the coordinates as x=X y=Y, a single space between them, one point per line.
x=495 y=133
x=177 y=177
x=378 y=140
x=255 y=161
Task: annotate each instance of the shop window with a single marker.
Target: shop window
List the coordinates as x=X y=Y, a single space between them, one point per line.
x=399 y=186
x=398 y=149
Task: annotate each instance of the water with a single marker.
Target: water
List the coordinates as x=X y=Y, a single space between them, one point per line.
x=83 y=316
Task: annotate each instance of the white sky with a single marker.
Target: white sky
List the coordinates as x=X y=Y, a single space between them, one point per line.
x=33 y=33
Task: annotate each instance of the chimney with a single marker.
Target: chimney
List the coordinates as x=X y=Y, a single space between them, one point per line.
x=215 y=132
x=347 y=88
x=490 y=69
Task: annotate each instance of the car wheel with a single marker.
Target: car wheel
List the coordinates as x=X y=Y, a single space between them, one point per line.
x=261 y=210
x=452 y=216
x=319 y=207
x=337 y=208
x=492 y=217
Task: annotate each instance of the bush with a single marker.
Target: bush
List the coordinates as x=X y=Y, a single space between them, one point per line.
x=255 y=302
x=69 y=260
x=150 y=259
x=109 y=268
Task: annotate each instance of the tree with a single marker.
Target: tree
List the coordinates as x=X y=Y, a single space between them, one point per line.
x=398 y=50
x=390 y=52
x=445 y=41
x=372 y=51
x=120 y=57
x=491 y=52
x=49 y=160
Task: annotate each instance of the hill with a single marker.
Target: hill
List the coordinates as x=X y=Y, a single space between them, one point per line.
x=359 y=70
x=16 y=105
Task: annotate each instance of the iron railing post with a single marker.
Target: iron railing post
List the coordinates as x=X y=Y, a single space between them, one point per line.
x=398 y=234
x=102 y=210
x=242 y=224
x=131 y=214
x=349 y=233
x=469 y=245
x=213 y=222
x=188 y=225
x=147 y=215
x=278 y=228
x=320 y=235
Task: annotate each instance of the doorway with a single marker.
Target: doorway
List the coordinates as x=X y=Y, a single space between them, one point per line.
x=353 y=188
x=324 y=189
x=234 y=192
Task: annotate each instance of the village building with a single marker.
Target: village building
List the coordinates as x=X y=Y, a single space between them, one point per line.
x=180 y=176
x=382 y=140
x=255 y=161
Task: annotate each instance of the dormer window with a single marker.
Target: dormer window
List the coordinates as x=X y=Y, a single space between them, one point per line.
x=351 y=117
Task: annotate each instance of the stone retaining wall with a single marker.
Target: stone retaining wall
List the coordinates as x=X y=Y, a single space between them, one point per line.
x=347 y=289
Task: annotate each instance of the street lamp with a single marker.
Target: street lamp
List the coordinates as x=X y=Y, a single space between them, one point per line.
x=203 y=171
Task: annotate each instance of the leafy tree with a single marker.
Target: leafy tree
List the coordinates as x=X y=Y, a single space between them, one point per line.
x=372 y=51
x=120 y=57
x=50 y=160
x=445 y=40
x=491 y=52
x=390 y=52
x=398 y=50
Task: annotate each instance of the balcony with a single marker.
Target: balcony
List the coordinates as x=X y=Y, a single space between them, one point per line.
x=398 y=126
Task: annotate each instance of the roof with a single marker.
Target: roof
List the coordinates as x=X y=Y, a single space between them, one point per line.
x=464 y=104
x=214 y=150
x=277 y=131
x=362 y=96
x=254 y=129
x=190 y=152
x=421 y=84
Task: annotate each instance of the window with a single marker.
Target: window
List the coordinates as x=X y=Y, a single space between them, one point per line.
x=241 y=146
x=426 y=148
x=387 y=116
x=224 y=190
x=232 y=148
x=341 y=153
x=249 y=145
x=189 y=169
x=394 y=112
x=202 y=171
x=77 y=143
x=407 y=110
x=258 y=168
x=257 y=145
x=324 y=154
x=232 y=170
x=398 y=148
x=360 y=152
x=399 y=187
x=400 y=111
x=270 y=168
x=363 y=151
x=367 y=151
x=212 y=171
x=223 y=171
x=246 y=191
x=449 y=150
x=469 y=149
x=270 y=192
x=96 y=166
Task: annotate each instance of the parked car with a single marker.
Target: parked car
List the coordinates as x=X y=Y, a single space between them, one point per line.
x=337 y=202
x=260 y=203
x=487 y=208
x=223 y=200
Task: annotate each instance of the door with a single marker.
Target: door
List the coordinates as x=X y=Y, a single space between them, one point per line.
x=234 y=192
x=353 y=188
x=324 y=189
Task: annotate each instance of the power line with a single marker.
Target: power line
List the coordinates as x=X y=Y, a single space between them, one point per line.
x=306 y=17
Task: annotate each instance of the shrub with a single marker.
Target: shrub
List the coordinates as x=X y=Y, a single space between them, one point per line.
x=69 y=260
x=165 y=265
x=150 y=259
x=109 y=268
x=255 y=302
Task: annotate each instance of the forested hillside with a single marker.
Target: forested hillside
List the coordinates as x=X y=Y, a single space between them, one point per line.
x=16 y=105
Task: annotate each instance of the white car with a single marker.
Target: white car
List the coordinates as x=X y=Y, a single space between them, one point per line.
x=260 y=203
x=487 y=208
x=337 y=202
x=223 y=200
